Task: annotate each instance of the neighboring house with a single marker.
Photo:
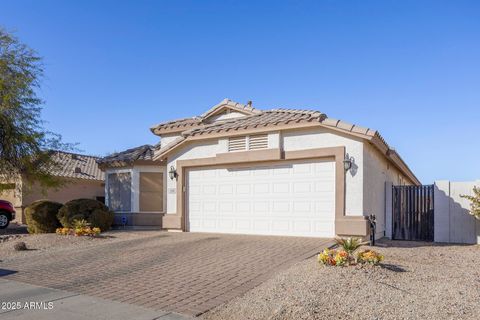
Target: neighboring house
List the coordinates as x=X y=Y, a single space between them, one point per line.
x=83 y=179
x=237 y=169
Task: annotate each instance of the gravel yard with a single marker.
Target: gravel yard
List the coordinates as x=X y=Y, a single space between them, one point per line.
x=38 y=244
x=417 y=281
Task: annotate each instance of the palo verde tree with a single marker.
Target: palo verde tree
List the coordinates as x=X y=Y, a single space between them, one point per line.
x=474 y=202
x=25 y=145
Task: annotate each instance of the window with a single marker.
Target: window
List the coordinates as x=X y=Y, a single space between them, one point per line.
x=119 y=191
x=151 y=191
x=243 y=143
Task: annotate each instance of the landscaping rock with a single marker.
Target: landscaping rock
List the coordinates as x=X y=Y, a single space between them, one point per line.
x=20 y=246
x=417 y=280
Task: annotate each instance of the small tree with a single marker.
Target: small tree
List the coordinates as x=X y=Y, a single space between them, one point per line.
x=24 y=143
x=474 y=202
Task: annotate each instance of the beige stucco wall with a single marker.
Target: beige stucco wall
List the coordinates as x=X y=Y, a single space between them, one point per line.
x=226 y=116
x=323 y=138
x=365 y=183
x=378 y=171
x=201 y=149
x=165 y=139
x=74 y=189
x=291 y=140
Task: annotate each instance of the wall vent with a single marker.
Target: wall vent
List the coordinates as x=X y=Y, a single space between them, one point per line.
x=259 y=141
x=237 y=143
x=244 y=143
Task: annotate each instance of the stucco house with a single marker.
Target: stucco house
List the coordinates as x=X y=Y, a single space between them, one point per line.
x=238 y=169
x=83 y=179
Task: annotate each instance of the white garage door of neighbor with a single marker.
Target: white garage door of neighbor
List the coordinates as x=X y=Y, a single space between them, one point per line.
x=296 y=199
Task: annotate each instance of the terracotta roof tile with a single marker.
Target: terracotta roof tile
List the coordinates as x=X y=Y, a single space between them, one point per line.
x=198 y=121
x=128 y=156
x=79 y=166
x=265 y=118
x=185 y=122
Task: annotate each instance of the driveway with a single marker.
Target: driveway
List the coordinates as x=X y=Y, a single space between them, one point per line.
x=188 y=273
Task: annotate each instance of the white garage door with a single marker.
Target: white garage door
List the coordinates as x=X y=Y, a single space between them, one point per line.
x=296 y=199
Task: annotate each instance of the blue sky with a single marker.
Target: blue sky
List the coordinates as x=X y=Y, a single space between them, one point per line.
x=410 y=69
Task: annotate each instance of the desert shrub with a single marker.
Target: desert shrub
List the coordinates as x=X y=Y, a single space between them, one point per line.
x=41 y=216
x=95 y=213
x=474 y=202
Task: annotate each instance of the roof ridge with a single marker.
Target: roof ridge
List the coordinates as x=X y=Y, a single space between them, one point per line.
x=76 y=154
x=176 y=120
x=290 y=110
x=220 y=123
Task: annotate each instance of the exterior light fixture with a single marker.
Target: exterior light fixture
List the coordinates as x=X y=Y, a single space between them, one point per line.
x=172 y=173
x=347 y=162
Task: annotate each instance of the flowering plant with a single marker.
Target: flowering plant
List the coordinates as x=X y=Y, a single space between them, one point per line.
x=331 y=257
x=369 y=256
x=79 y=231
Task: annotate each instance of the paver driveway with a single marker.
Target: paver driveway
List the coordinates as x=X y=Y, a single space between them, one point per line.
x=188 y=273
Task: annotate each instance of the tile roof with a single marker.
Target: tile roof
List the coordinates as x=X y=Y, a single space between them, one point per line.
x=79 y=166
x=254 y=118
x=262 y=119
x=199 y=121
x=185 y=123
x=126 y=157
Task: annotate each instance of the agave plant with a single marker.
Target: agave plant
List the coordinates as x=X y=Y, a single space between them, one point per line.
x=350 y=245
x=79 y=224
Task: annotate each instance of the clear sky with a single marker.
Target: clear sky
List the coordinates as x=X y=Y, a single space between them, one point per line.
x=410 y=69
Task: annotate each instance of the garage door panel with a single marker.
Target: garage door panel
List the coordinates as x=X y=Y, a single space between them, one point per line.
x=260 y=207
x=243 y=189
x=261 y=188
x=281 y=187
x=304 y=226
x=287 y=199
x=227 y=224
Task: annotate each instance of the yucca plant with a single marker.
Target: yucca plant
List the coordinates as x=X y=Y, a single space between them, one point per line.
x=350 y=245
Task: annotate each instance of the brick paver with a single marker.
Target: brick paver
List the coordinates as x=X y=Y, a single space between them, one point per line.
x=188 y=273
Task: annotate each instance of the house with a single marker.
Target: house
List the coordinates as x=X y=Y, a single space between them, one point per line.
x=238 y=169
x=83 y=179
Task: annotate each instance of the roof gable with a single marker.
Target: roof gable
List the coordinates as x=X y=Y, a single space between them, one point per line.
x=227 y=105
x=224 y=110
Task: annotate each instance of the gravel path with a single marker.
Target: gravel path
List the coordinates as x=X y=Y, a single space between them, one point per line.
x=417 y=281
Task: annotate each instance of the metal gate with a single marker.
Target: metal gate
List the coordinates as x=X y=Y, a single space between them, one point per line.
x=413 y=213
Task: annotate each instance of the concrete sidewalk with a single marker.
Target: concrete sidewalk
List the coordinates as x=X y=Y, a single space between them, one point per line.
x=58 y=304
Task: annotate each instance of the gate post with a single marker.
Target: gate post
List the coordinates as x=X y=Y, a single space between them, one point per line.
x=388 y=209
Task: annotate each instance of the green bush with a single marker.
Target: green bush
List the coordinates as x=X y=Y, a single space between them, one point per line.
x=94 y=212
x=41 y=216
